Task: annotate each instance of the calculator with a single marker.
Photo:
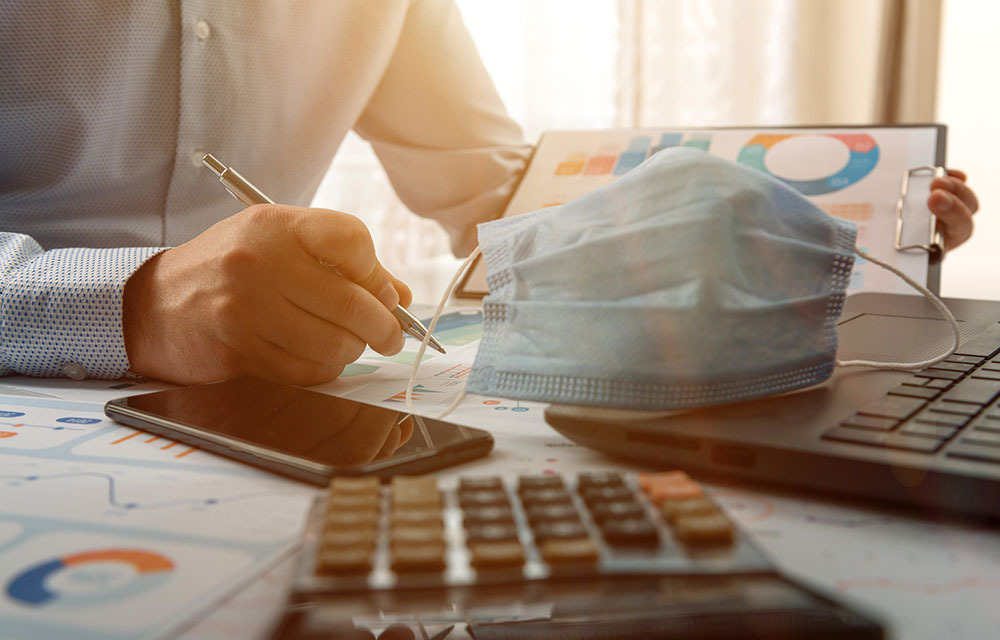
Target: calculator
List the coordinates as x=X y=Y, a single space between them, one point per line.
x=604 y=555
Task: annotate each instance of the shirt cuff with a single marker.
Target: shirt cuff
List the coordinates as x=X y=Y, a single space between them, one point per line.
x=64 y=306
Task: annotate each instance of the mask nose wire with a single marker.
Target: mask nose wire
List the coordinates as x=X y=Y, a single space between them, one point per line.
x=449 y=290
x=936 y=301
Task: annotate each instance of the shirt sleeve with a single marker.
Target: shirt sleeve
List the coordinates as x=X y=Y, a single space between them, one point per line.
x=439 y=128
x=63 y=306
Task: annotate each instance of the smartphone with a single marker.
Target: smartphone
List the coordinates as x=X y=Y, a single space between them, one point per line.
x=299 y=433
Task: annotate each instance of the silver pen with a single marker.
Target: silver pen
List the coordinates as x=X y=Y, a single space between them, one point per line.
x=241 y=189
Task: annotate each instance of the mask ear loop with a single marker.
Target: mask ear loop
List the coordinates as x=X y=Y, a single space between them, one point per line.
x=936 y=301
x=430 y=330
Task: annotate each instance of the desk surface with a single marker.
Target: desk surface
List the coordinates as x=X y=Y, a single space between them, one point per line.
x=926 y=579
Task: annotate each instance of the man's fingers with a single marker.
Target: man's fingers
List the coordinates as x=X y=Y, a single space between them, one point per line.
x=337 y=300
x=954 y=217
x=307 y=336
x=961 y=190
x=342 y=242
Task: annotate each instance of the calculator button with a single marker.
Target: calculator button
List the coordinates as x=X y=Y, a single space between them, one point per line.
x=552 y=512
x=344 y=560
x=607 y=510
x=368 y=486
x=557 y=551
x=632 y=532
x=352 y=520
x=531 y=483
x=647 y=480
x=407 y=535
x=673 y=510
x=486 y=555
x=607 y=494
x=592 y=479
x=707 y=530
x=483 y=498
x=482 y=515
x=427 y=483
x=415 y=498
x=544 y=496
x=351 y=502
x=339 y=538
x=489 y=483
x=491 y=532
x=416 y=517
x=973 y=391
x=418 y=557
x=677 y=491
x=563 y=530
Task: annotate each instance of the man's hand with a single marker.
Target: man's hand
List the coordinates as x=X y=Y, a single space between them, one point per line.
x=954 y=203
x=284 y=293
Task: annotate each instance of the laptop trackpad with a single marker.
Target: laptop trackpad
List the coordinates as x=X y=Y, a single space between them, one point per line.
x=872 y=336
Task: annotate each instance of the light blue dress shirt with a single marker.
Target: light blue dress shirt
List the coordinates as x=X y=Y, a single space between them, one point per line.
x=107 y=108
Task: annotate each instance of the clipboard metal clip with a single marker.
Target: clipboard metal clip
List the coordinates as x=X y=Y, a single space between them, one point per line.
x=935 y=243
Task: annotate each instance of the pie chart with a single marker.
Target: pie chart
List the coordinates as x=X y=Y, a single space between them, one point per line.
x=813 y=164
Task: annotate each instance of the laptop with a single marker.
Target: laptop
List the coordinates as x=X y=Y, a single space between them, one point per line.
x=928 y=439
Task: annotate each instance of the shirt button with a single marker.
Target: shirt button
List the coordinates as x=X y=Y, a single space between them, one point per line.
x=202 y=30
x=196 y=157
x=74 y=370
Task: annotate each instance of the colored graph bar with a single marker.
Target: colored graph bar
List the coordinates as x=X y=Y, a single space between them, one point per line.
x=602 y=163
x=572 y=165
x=699 y=143
x=633 y=156
x=667 y=140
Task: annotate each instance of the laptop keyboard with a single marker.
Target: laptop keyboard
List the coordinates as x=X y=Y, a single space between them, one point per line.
x=951 y=409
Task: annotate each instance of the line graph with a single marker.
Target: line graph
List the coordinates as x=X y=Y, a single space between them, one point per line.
x=115 y=503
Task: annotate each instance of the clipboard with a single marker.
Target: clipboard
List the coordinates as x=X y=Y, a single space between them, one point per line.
x=868 y=173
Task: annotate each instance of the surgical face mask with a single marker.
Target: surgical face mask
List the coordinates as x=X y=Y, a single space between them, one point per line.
x=691 y=281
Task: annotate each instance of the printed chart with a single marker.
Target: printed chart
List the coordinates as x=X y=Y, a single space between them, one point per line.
x=107 y=532
x=852 y=174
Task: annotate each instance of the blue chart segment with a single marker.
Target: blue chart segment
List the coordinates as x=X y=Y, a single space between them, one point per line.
x=104 y=574
x=864 y=155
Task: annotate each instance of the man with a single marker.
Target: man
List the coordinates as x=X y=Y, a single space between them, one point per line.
x=105 y=113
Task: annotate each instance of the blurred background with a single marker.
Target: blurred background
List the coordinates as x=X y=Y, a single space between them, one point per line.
x=566 y=64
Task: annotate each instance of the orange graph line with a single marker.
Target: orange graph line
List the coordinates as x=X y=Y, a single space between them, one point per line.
x=131 y=435
x=167 y=446
x=153 y=439
x=181 y=455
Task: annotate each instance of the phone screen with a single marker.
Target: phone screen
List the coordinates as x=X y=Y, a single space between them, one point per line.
x=295 y=430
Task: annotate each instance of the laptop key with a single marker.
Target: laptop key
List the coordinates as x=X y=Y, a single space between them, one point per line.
x=986 y=375
x=988 y=423
x=974 y=452
x=938 y=417
x=857 y=436
x=916 y=381
x=875 y=423
x=937 y=373
x=984 y=344
x=976 y=436
x=938 y=383
x=912 y=443
x=953 y=366
x=960 y=408
x=973 y=390
x=927 y=430
x=915 y=392
x=964 y=359
x=892 y=407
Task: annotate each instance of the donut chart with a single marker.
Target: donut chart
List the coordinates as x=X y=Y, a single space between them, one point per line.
x=108 y=574
x=864 y=155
